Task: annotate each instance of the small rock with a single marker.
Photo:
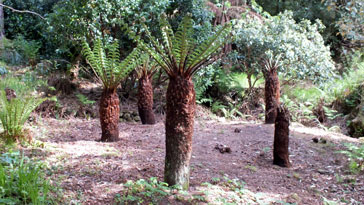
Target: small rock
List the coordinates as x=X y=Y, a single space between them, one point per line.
x=323 y=141
x=321 y=171
x=223 y=148
x=237 y=130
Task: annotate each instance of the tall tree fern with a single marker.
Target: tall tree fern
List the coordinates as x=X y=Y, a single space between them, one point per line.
x=110 y=71
x=180 y=56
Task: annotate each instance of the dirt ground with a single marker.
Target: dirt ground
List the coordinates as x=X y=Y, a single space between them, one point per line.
x=91 y=172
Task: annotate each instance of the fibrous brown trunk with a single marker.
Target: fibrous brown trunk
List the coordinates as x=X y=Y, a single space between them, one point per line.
x=109 y=115
x=145 y=101
x=272 y=95
x=180 y=113
x=281 y=138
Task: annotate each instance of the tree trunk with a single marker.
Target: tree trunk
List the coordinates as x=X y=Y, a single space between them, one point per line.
x=109 y=115
x=180 y=113
x=2 y=28
x=272 y=95
x=281 y=138
x=145 y=101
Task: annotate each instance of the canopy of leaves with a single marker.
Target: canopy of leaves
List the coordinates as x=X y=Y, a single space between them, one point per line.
x=351 y=21
x=344 y=20
x=72 y=20
x=300 y=46
x=28 y=25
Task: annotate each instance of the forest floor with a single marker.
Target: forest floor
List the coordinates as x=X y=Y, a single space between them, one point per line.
x=92 y=172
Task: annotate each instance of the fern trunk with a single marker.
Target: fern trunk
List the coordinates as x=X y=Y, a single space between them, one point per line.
x=272 y=95
x=281 y=139
x=109 y=115
x=179 y=130
x=145 y=100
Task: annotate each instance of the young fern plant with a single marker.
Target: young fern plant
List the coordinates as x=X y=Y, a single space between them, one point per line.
x=13 y=115
x=145 y=73
x=179 y=55
x=110 y=71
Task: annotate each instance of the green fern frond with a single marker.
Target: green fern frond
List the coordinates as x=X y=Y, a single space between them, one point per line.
x=156 y=56
x=209 y=46
x=107 y=66
x=183 y=41
x=178 y=53
x=147 y=68
x=14 y=114
x=168 y=38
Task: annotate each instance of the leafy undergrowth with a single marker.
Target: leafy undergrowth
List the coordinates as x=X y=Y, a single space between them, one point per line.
x=218 y=191
x=355 y=155
x=21 y=181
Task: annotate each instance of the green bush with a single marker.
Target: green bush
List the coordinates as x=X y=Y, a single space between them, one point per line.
x=21 y=181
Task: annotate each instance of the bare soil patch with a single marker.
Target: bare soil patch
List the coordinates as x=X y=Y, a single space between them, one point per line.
x=93 y=172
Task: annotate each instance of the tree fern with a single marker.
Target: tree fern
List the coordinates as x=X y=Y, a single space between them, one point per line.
x=14 y=113
x=106 y=63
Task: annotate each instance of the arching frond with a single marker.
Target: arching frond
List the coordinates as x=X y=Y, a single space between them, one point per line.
x=15 y=112
x=178 y=53
x=208 y=47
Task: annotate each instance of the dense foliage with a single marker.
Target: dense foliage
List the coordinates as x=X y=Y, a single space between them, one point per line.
x=21 y=181
x=298 y=46
x=73 y=20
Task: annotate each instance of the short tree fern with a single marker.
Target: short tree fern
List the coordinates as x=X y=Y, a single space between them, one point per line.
x=110 y=71
x=14 y=113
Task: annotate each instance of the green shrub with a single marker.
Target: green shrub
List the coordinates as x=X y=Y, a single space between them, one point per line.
x=21 y=181
x=343 y=87
x=143 y=191
x=84 y=100
x=8 y=52
x=355 y=155
x=3 y=70
x=28 y=49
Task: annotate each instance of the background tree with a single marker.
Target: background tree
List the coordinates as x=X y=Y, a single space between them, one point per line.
x=110 y=71
x=145 y=74
x=350 y=22
x=303 y=55
x=180 y=57
x=73 y=20
x=343 y=20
